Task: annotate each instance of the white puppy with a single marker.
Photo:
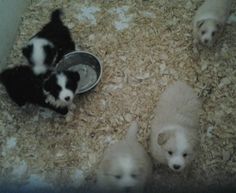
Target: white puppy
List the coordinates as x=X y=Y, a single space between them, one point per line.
x=174 y=128
x=125 y=166
x=209 y=22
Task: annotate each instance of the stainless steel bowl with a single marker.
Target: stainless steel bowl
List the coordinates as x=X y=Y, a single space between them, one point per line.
x=79 y=61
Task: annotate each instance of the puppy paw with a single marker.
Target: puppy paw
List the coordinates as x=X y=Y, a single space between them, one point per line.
x=72 y=106
x=195 y=54
x=69 y=116
x=195 y=50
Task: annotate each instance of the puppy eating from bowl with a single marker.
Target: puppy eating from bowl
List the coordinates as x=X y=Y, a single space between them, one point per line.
x=174 y=128
x=125 y=166
x=209 y=22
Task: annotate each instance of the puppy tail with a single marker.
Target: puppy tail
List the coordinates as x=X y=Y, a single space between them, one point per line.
x=132 y=131
x=56 y=16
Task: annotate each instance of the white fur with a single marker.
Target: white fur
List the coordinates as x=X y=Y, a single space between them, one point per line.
x=213 y=13
x=39 y=55
x=39 y=69
x=61 y=81
x=126 y=163
x=125 y=166
x=175 y=125
x=57 y=103
x=181 y=147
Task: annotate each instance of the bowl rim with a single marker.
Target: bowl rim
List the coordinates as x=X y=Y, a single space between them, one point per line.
x=100 y=64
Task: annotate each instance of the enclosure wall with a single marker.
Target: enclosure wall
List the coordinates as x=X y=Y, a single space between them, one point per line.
x=10 y=15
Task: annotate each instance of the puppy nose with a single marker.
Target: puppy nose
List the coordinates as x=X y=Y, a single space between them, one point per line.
x=205 y=41
x=67 y=98
x=128 y=189
x=176 y=167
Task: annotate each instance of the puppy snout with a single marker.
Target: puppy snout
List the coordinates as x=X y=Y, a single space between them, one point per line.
x=67 y=98
x=206 y=41
x=176 y=167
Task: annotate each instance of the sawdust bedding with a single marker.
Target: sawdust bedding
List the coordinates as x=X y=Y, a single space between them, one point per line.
x=143 y=46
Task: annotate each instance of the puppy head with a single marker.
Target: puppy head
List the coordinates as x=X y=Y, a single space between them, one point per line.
x=40 y=53
x=123 y=173
x=176 y=147
x=207 y=31
x=62 y=86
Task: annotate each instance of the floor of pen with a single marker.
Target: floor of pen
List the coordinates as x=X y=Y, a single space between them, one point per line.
x=143 y=46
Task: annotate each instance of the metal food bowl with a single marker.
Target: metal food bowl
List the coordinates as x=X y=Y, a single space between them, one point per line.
x=88 y=66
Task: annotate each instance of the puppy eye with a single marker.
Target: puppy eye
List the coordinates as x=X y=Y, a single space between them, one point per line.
x=134 y=176
x=203 y=32
x=213 y=33
x=118 y=176
x=170 y=152
x=185 y=155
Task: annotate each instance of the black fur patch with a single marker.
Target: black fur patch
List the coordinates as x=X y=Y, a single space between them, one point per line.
x=50 y=54
x=72 y=80
x=51 y=86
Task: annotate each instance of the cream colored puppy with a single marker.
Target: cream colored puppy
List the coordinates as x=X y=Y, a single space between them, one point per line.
x=125 y=167
x=174 y=128
x=209 y=22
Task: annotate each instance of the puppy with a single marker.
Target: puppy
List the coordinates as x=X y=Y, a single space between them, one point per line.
x=23 y=86
x=209 y=21
x=125 y=167
x=60 y=88
x=49 y=45
x=174 y=128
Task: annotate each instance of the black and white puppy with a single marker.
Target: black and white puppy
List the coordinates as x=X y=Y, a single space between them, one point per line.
x=49 y=45
x=51 y=90
x=60 y=88
x=23 y=86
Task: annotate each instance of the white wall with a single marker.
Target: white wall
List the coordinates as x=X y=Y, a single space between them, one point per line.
x=10 y=18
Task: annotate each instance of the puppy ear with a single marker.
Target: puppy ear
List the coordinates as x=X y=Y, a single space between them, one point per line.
x=47 y=85
x=200 y=23
x=26 y=51
x=163 y=138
